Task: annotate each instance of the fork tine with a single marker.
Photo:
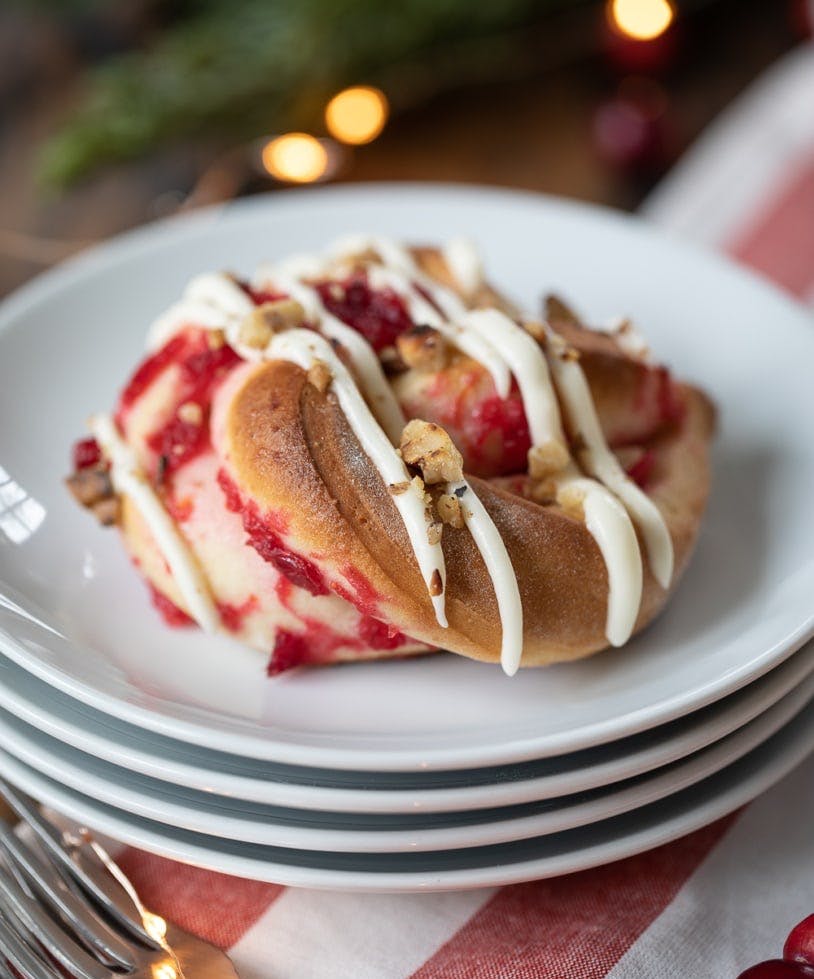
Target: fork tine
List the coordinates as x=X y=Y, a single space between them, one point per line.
x=88 y=926
x=51 y=840
x=40 y=926
x=19 y=955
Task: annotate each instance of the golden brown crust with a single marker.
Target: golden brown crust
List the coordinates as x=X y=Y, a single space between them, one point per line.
x=292 y=450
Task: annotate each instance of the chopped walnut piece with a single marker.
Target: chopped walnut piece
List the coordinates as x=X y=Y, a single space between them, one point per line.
x=569 y=354
x=434 y=531
x=544 y=491
x=548 y=458
x=449 y=510
x=424 y=348
x=93 y=488
x=107 y=511
x=319 y=374
x=430 y=448
x=89 y=486
x=571 y=498
x=269 y=318
x=436 y=585
x=396 y=489
x=191 y=412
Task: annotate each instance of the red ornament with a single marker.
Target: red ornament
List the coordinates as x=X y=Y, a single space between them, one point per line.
x=799 y=945
x=632 y=130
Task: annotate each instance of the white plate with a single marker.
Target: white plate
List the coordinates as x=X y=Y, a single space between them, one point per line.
x=190 y=766
x=533 y=859
x=69 y=338
x=245 y=822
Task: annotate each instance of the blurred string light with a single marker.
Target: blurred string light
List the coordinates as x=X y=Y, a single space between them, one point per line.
x=641 y=20
x=357 y=115
x=296 y=158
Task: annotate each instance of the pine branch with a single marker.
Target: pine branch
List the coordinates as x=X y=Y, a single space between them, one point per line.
x=238 y=70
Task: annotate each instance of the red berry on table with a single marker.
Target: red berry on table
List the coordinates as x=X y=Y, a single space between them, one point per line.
x=799 y=945
x=778 y=969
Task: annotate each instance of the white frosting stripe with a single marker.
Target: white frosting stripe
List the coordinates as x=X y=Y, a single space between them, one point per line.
x=366 y=364
x=128 y=478
x=609 y=525
x=601 y=463
x=463 y=260
x=496 y=558
x=304 y=347
x=530 y=368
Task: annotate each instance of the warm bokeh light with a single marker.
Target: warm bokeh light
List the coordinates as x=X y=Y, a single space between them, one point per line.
x=296 y=158
x=357 y=115
x=643 y=20
x=164 y=970
x=154 y=925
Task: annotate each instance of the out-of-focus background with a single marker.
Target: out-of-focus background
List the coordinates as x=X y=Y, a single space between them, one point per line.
x=116 y=112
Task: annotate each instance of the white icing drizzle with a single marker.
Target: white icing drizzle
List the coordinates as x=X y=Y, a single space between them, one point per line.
x=496 y=558
x=629 y=340
x=464 y=262
x=129 y=478
x=211 y=301
x=304 y=347
x=608 y=523
x=530 y=368
x=601 y=463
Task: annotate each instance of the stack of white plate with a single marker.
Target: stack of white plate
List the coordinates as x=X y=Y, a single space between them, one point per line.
x=436 y=772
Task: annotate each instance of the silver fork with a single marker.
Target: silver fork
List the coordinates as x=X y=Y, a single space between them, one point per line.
x=65 y=907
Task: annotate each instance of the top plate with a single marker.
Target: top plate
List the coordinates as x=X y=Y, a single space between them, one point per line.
x=83 y=622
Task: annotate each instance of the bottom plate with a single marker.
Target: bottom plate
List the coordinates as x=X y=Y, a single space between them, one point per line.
x=246 y=822
x=546 y=856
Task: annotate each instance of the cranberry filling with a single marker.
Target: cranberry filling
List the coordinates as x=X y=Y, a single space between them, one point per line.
x=232 y=616
x=181 y=439
x=378 y=314
x=168 y=610
x=86 y=453
x=380 y=635
x=501 y=432
x=642 y=469
x=149 y=370
x=290 y=650
x=268 y=544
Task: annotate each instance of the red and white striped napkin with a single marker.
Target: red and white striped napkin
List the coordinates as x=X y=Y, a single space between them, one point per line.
x=707 y=905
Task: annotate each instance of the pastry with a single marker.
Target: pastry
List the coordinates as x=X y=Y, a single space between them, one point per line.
x=371 y=453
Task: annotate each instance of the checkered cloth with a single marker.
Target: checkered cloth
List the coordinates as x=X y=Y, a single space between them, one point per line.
x=707 y=905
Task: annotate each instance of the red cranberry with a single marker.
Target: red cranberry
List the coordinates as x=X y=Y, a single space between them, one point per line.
x=168 y=610
x=86 y=453
x=378 y=314
x=290 y=650
x=778 y=969
x=799 y=945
